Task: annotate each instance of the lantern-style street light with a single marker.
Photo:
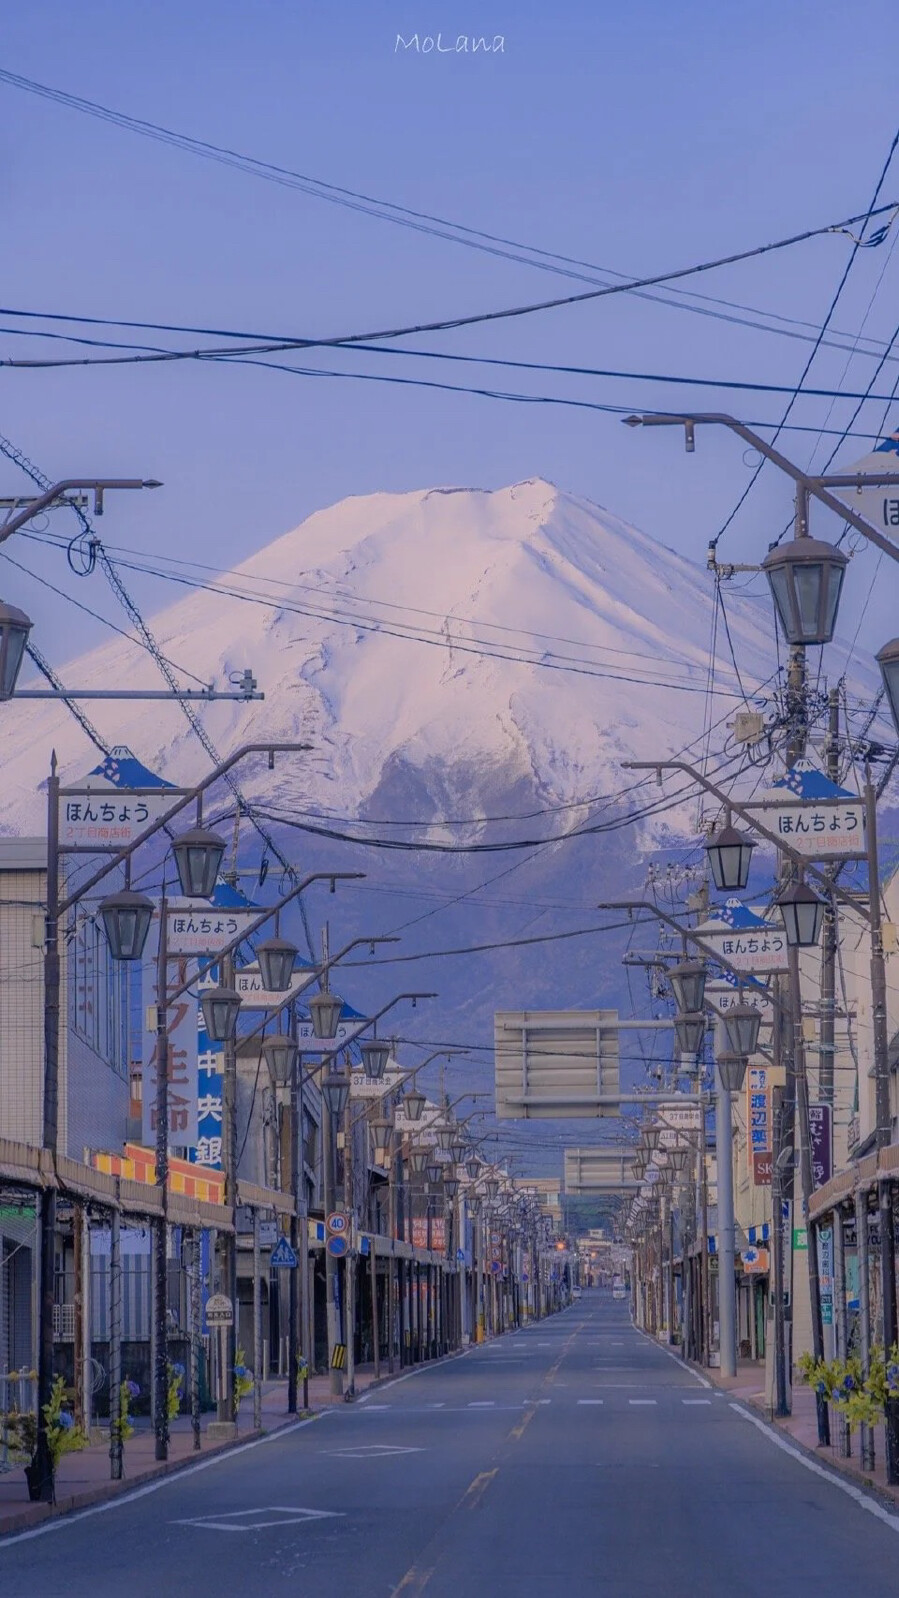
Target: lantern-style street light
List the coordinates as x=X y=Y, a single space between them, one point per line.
x=687 y=980
x=730 y=857
x=198 y=856
x=413 y=1104
x=803 y=915
x=732 y=1070
x=888 y=661
x=458 y=1151
x=741 y=1026
x=805 y=577
x=336 y=1089
x=221 y=1007
x=324 y=1011
x=280 y=1054
x=451 y=1186
x=126 y=918
x=275 y=958
x=418 y=1159
x=433 y=1170
x=689 y=1031
x=14 y=629
x=375 y=1055
x=472 y=1168
x=445 y=1137
x=492 y=1188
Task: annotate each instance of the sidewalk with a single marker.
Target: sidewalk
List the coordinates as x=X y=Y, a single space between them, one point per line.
x=83 y=1478
x=748 y=1388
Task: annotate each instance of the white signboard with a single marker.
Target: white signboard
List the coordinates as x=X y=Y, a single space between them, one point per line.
x=879 y=504
x=219 y=1311
x=109 y=819
x=552 y=1064
x=346 y=1031
x=363 y=1087
x=248 y=983
x=753 y=944
x=828 y=830
x=199 y=929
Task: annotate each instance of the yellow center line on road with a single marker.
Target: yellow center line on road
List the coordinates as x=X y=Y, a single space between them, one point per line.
x=417 y=1576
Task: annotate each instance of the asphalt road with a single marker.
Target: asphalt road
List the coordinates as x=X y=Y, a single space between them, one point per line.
x=575 y=1459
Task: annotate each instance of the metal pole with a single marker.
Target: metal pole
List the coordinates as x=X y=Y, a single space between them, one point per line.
x=781 y=1404
x=829 y=935
x=115 y=1343
x=196 y=1303
x=866 y=1435
x=839 y=1319
x=257 y=1326
x=293 y=1346
x=727 y=1331
x=226 y=1409
x=375 y=1318
x=806 y=1183
x=50 y=1133
x=705 y=1286
x=335 y=1376
x=160 y=1223
x=884 y=1121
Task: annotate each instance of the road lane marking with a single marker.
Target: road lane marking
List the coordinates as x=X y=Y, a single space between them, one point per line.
x=475 y=1492
x=518 y=1431
x=251 y=1522
x=861 y=1498
x=414 y=1581
x=695 y=1401
x=482 y=1403
x=372 y=1451
x=642 y=1400
x=599 y=1400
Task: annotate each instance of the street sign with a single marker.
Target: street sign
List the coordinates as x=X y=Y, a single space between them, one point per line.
x=268 y=1234
x=248 y=983
x=337 y=1246
x=879 y=503
x=198 y=928
x=819 y=1127
x=106 y=819
x=762 y=1167
x=337 y=1221
x=366 y=1087
x=744 y=938
x=338 y=1357
x=219 y=1310
x=800 y=1237
x=813 y=815
x=283 y=1256
x=755 y=1261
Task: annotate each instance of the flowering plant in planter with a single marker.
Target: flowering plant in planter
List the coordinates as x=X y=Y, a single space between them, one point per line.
x=243 y=1380
x=176 y=1388
x=860 y=1398
x=123 y=1428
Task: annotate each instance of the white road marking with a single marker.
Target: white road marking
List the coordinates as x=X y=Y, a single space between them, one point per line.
x=697 y=1401
x=847 y=1487
x=544 y=1400
x=372 y=1451
x=373 y=1407
x=252 y=1522
x=642 y=1400
x=482 y=1403
x=434 y=1406
x=597 y=1400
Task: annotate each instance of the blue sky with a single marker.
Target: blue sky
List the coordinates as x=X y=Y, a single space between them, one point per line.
x=638 y=137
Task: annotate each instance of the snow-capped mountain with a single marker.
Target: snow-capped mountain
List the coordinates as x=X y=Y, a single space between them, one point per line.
x=440 y=649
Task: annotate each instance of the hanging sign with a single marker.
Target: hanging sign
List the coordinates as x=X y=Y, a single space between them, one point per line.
x=813 y=815
x=878 y=503
x=744 y=938
x=820 y=1139
x=346 y=1031
x=248 y=983
x=219 y=1310
x=759 y=1120
x=364 y=1087
x=199 y=928
x=113 y=805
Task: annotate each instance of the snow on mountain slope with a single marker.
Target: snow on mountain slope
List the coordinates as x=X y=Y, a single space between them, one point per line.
x=438 y=648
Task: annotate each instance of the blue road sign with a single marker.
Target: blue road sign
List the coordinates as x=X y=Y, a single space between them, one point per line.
x=337 y=1246
x=283 y=1255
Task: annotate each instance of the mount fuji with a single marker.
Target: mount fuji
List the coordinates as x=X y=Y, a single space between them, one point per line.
x=470 y=668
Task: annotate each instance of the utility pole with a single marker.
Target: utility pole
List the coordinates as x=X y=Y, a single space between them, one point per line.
x=883 y=1120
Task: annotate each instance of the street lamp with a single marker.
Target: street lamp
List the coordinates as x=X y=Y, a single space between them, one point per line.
x=324 y=1010
x=679 y=1157
x=418 y=1159
x=126 y=918
x=458 y=1152
x=220 y=1011
x=805 y=577
x=433 y=1170
x=730 y=856
x=732 y=1070
x=687 y=980
x=198 y=855
x=280 y=1053
x=492 y=1188
x=689 y=1030
x=741 y=1026
x=888 y=661
x=446 y=1136
x=375 y=1055
x=14 y=629
x=652 y=1135
x=472 y=1168
x=413 y=1104
x=451 y=1186
x=336 y=1089
x=803 y=915
x=382 y=1133
x=276 y=957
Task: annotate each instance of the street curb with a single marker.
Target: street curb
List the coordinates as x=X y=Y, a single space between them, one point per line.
x=37 y=1514
x=821 y=1458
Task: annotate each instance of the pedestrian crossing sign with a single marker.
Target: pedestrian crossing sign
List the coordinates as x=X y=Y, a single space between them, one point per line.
x=283 y=1255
